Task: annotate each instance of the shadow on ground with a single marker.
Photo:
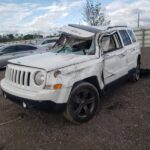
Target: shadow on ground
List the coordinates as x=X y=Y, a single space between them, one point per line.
x=145 y=73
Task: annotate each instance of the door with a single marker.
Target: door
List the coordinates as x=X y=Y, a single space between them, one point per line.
x=115 y=58
x=133 y=50
x=6 y=54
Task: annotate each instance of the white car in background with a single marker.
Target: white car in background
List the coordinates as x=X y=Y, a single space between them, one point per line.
x=47 y=43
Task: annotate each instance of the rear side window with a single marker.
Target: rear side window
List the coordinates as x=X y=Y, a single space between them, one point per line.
x=132 y=36
x=125 y=37
x=25 y=48
x=31 y=48
x=10 y=49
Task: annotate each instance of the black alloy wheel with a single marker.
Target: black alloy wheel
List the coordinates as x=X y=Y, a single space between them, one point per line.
x=83 y=103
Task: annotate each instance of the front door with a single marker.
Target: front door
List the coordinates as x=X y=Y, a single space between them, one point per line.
x=115 y=58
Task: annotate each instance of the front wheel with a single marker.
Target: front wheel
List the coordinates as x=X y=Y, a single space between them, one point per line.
x=82 y=103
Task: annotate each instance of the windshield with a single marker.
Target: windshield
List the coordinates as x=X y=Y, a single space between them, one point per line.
x=75 y=45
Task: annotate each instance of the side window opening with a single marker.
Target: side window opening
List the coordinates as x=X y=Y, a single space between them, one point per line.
x=82 y=45
x=125 y=37
x=130 y=32
x=111 y=43
x=108 y=43
x=117 y=40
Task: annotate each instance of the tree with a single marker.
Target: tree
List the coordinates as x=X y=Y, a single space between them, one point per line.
x=28 y=37
x=94 y=15
x=10 y=36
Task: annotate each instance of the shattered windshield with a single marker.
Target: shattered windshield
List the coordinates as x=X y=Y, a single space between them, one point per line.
x=70 y=44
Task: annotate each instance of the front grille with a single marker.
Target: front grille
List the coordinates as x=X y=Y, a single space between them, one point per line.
x=20 y=77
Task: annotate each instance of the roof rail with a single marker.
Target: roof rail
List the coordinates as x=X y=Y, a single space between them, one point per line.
x=116 y=26
x=86 y=28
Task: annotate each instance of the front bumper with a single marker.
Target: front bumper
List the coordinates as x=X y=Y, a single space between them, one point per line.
x=51 y=99
x=44 y=105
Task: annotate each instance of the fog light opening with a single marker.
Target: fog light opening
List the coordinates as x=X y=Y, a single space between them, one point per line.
x=24 y=105
x=5 y=96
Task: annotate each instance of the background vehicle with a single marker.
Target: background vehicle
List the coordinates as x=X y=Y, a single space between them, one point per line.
x=84 y=62
x=14 y=51
x=48 y=43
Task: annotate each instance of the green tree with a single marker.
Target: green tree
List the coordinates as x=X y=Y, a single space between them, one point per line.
x=10 y=36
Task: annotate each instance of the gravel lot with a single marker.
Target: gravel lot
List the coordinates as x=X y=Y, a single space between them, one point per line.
x=123 y=123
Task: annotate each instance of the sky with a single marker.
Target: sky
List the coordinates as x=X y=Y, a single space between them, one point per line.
x=44 y=16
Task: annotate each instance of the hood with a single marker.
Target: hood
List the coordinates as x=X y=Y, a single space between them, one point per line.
x=51 y=61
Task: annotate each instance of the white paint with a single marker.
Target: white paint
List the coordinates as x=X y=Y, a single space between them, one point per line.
x=76 y=32
x=51 y=61
x=73 y=68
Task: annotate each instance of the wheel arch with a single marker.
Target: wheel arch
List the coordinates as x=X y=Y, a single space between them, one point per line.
x=92 y=80
x=139 y=59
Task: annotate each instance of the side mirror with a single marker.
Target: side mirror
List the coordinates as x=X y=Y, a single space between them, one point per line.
x=1 y=53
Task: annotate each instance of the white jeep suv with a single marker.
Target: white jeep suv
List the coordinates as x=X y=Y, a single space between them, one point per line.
x=70 y=78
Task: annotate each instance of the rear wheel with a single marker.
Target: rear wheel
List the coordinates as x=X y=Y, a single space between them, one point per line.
x=82 y=103
x=135 y=76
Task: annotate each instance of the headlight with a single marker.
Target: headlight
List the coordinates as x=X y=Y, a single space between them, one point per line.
x=39 y=78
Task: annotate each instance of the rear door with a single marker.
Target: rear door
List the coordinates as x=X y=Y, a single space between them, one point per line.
x=133 y=50
x=115 y=58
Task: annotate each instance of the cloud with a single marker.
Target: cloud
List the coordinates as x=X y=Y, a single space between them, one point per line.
x=35 y=17
x=126 y=12
x=13 y=16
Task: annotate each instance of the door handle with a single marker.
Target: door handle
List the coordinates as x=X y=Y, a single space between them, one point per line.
x=133 y=49
x=122 y=55
x=107 y=56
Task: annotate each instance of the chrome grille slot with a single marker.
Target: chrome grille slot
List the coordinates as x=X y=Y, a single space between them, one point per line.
x=10 y=74
x=28 y=79
x=18 y=77
x=23 y=78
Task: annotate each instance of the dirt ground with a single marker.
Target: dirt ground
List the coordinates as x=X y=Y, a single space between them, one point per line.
x=122 y=123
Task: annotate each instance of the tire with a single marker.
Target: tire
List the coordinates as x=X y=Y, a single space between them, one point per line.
x=135 y=76
x=82 y=104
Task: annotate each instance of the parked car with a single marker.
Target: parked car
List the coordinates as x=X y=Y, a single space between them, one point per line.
x=1 y=45
x=48 y=43
x=8 y=52
x=85 y=61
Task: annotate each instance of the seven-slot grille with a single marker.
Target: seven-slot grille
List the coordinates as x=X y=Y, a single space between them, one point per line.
x=17 y=76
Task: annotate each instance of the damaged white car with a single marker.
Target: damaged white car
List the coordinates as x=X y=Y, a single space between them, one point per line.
x=70 y=78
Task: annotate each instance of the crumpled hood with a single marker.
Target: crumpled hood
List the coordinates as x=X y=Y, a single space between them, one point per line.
x=51 y=61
